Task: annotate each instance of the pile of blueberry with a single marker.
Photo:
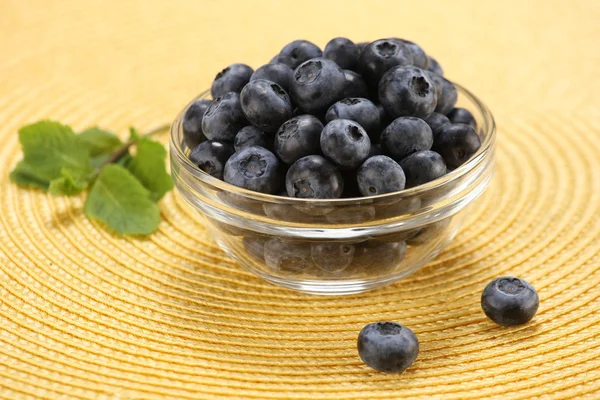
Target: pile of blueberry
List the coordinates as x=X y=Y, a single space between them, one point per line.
x=380 y=114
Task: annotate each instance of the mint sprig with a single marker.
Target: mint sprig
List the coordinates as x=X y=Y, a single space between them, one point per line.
x=123 y=188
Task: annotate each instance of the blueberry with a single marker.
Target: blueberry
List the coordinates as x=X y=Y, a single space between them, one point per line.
x=313 y=177
x=456 y=143
x=435 y=67
x=436 y=121
x=407 y=91
x=297 y=138
x=438 y=83
x=317 y=84
x=509 y=301
x=231 y=79
x=447 y=100
x=279 y=73
x=420 y=59
x=422 y=167
x=345 y=142
x=224 y=118
x=265 y=104
x=343 y=52
x=387 y=346
x=405 y=136
x=254 y=168
x=192 y=123
x=379 y=175
x=286 y=256
x=355 y=85
x=298 y=51
x=211 y=156
x=375 y=257
x=359 y=110
x=332 y=257
x=250 y=136
x=462 y=116
x=381 y=55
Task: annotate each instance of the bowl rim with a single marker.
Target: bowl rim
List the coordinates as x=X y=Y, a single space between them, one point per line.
x=489 y=127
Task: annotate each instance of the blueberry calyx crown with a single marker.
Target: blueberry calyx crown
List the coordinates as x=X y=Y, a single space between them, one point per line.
x=511 y=286
x=386 y=49
x=388 y=328
x=420 y=86
x=308 y=72
x=253 y=166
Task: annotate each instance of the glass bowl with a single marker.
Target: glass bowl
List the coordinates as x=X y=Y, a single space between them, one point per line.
x=339 y=246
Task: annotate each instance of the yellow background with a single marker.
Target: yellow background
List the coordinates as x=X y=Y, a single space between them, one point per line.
x=84 y=314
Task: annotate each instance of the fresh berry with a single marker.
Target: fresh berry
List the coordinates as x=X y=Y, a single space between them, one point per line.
x=456 y=143
x=231 y=79
x=345 y=142
x=462 y=116
x=435 y=67
x=298 y=51
x=265 y=104
x=359 y=110
x=422 y=167
x=447 y=100
x=211 y=156
x=313 y=177
x=438 y=83
x=509 y=301
x=405 y=136
x=297 y=138
x=387 y=346
x=254 y=168
x=317 y=84
x=381 y=55
x=332 y=257
x=377 y=257
x=355 y=85
x=279 y=73
x=420 y=59
x=250 y=136
x=224 y=118
x=343 y=52
x=407 y=91
x=192 y=123
x=287 y=256
x=379 y=175
x=436 y=121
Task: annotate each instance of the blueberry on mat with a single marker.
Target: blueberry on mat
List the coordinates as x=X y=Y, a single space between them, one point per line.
x=387 y=346
x=509 y=301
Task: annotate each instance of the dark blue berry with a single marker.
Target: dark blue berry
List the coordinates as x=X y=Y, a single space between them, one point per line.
x=456 y=143
x=420 y=59
x=355 y=85
x=343 y=52
x=375 y=257
x=422 y=167
x=509 y=301
x=231 y=79
x=405 y=136
x=359 y=110
x=379 y=175
x=253 y=168
x=438 y=83
x=298 y=51
x=345 y=142
x=381 y=55
x=435 y=67
x=387 y=346
x=279 y=73
x=265 y=104
x=287 y=256
x=332 y=257
x=297 y=138
x=462 y=116
x=447 y=100
x=407 y=91
x=313 y=177
x=224 y=118
x=317 y=84
x=192 y=123
x=250 y=136
x=211 y=156
x=436 y=121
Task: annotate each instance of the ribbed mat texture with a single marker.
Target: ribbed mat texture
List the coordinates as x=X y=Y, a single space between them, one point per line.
x=85 y=314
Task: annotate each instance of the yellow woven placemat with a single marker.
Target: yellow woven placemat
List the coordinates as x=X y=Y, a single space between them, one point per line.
x=88 y=315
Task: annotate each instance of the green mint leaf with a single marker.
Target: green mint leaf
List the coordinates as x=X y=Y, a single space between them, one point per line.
x=118 y=199
x=49 y=146
x=148 y=165
x=134 y=135
x=24 y=175
x=100 y=141
x=70 y=183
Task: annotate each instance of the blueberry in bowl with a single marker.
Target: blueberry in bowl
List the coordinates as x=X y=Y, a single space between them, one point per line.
x=333 y=174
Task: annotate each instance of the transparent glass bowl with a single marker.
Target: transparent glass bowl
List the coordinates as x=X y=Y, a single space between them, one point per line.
x=340 y=246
